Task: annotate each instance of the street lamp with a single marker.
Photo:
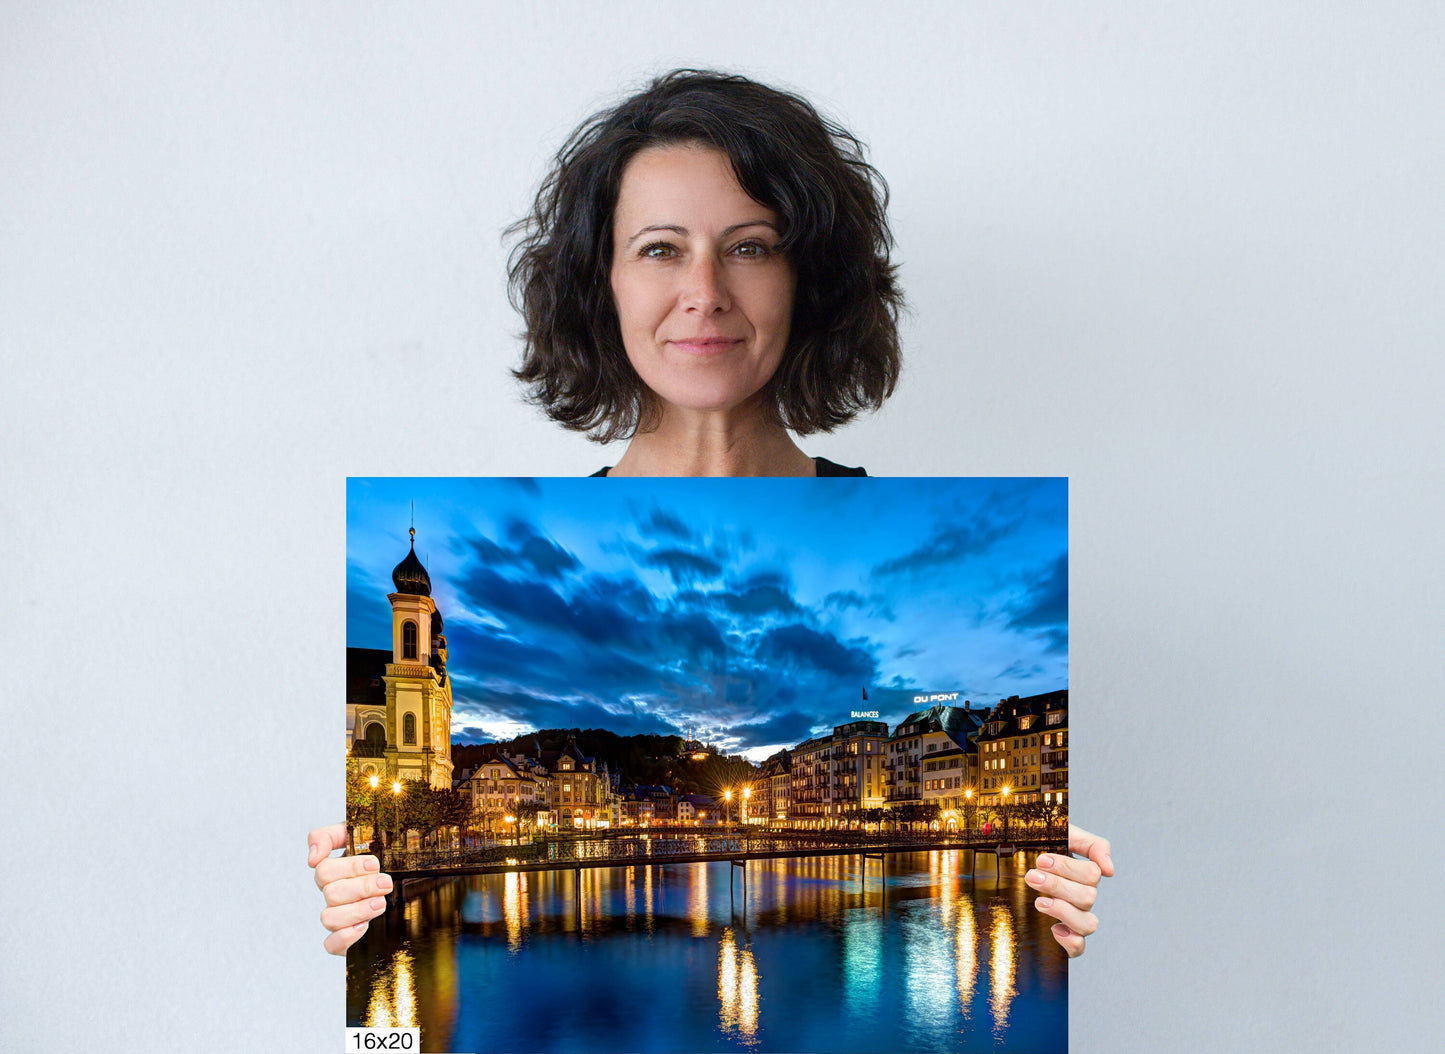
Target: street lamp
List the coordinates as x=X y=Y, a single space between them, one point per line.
x=1005 y=814
x=968 y=809
x=747 y=793
x=728 y=807
x=395 y=805
x=375 y=823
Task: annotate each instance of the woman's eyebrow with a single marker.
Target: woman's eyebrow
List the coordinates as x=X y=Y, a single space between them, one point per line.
x=683 y=231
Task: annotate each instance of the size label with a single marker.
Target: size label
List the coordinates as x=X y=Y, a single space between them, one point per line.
x=383 y=1039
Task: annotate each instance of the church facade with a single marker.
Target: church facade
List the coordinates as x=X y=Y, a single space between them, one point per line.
x=399 y=699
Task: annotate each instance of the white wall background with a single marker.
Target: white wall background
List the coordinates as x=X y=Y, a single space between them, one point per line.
x=1190 y=256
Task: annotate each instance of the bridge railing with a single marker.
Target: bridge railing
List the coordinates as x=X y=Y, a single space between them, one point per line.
x=660 y=846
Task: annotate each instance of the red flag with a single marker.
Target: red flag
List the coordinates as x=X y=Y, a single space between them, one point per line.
x=865 y=695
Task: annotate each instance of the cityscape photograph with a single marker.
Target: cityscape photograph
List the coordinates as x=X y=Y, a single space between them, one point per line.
x=708 y=764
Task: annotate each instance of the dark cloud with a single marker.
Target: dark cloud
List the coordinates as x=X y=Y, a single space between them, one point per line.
x=683 y=567
x=528 y=549
x=906 y=653
x=1047 y=600
x=368 y=615
x=661 y=522
x=951 y=543
x=844 y=599
x=1020 y=671
x=757 y=600
x=789 y=727
x=799 y=646
x=542 y=712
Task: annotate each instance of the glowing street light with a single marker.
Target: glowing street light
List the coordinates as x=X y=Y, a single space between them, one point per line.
x=747 y=793
x=395 y=805
x=375 y=823
x=1005 y=813
x=728 y=807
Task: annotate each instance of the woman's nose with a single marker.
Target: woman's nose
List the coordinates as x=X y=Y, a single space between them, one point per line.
x=705 y=286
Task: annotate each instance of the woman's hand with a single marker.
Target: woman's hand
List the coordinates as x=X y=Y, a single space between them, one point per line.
x=353 y=885
x=1070 y=887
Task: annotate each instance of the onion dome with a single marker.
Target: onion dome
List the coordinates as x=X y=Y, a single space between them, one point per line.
x=410 y=576
x=437 y=625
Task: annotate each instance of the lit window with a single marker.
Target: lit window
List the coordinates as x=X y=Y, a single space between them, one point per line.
x=408 y=640
x=408 y=722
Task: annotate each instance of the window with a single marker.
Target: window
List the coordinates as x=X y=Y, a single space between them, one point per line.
x=408 y=639
x=408 y=722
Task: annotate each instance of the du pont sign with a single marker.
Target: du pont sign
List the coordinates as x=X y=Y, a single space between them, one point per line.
x=939 y=697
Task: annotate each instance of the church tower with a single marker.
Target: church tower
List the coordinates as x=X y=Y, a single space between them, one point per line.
x=418 y=691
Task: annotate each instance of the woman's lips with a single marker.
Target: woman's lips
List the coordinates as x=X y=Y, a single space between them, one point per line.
x=705 y=345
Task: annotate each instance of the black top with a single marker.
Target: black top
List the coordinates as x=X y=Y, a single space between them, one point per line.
x=825 y=468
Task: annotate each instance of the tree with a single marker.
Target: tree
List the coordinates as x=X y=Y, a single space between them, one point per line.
x=527 y=814
x=417 y=807
x=358 y=805
x=453 y=808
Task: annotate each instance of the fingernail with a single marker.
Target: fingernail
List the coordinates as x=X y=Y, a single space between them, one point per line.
x=1033 y=878
x=383 y=882
x=311 y=855
x=360 y=927
x=1044 y=903
x=1108 y=860
x=370 y=863
x=377 y=903
x=1046 y=861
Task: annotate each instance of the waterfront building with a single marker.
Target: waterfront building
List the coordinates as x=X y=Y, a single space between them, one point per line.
x=399 y=700
x=698 y=809
x=855 y=771
x=1054 y=761
x=811 y=792
x=772 y=790
x=1011 y=748
x=940 y=726
x=578 y=795
x=499 y=788
x=637 y=810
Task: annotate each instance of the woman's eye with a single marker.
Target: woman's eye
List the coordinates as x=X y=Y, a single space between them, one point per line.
x=657 y=250
x=751 y=249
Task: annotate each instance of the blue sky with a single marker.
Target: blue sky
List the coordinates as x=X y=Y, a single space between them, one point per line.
x=755 y=611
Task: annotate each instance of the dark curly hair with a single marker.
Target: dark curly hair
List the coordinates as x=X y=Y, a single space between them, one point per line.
x=842 y=355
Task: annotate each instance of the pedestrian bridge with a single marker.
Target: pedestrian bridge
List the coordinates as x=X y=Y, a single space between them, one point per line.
x=684 y=846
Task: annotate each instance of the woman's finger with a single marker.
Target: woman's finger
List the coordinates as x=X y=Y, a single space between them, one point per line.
x=337 y=943
x=337 y=867
x=1076 y=893
x=350 y=890
x=1082 y=923
x=323 y=841
x=344 y=915
x=1092 y=846
x=1068 y=939
x=1084 y=871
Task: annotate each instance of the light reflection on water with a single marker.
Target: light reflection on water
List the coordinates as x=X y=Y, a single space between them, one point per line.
x=393 y=995
x=737 y=990
x=816 y=953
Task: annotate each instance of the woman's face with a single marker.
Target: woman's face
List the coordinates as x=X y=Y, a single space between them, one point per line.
x=703 y=296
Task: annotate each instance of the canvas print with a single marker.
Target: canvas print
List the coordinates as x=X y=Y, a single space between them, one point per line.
x=709 y=764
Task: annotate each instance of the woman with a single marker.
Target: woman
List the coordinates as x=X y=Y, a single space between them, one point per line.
x=706 y=270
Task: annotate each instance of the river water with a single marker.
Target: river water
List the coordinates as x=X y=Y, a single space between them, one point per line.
x=799 y=954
